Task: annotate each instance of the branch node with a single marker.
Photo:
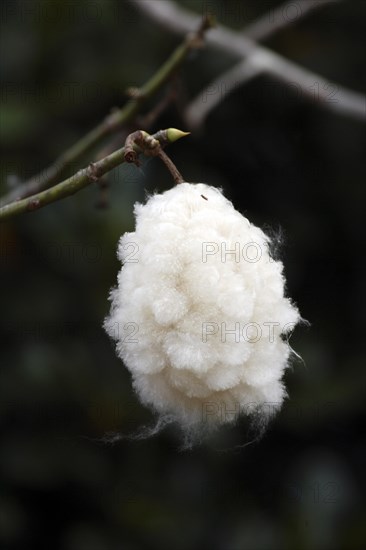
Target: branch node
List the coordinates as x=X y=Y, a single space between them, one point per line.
x=208 y=22
x=33 y=204
x=92 y=172
x=130 y=154
x=133 y=92
x=132 y=157
x=196 y=39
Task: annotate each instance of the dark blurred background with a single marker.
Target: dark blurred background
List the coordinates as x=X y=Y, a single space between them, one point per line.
x=290 y=165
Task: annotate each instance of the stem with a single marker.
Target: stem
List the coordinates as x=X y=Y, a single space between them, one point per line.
x=177 y=176
x=111 y=123
x=85 y=176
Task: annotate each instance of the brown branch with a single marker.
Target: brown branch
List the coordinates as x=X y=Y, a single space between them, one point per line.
x=153 y=146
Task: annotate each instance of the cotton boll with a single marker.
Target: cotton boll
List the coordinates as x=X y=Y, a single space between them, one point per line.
x=169 y=306
x=223 y=377
x=189 y=383
x=208 y=306
x=149 y=361
x=257 y=372
x=187 y=351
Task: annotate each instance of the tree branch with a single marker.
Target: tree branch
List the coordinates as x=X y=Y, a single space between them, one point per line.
x=280 y=18
x=244 y=71
x=114 y=121
x=92 y=173
x=259 y=60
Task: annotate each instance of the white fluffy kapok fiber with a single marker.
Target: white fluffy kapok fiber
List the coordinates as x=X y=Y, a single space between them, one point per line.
x=199 y=313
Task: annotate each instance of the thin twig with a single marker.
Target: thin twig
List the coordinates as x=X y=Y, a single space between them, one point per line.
x=146 y=121
x=281 y=17
x=176 y=175
x=330 y=95
x=113 y=121
x=90 y=174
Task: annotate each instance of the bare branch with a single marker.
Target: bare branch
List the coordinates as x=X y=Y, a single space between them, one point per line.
x=115 y=120
x=259 y=60
x=93 y=172
x=244 y=71
x=281 y=17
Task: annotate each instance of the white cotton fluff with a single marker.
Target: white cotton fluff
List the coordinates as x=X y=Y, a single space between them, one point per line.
x=199 y=313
